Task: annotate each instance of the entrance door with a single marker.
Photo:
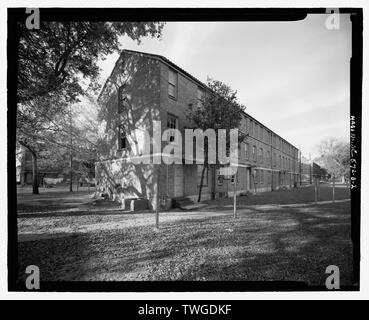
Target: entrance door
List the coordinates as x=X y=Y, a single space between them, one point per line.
x=178 y=181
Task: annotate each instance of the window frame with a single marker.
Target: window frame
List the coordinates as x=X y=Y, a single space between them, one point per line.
x=175 y=85
x=120 y=100
x=122 y=132
x=170 y=115
x=247 y=150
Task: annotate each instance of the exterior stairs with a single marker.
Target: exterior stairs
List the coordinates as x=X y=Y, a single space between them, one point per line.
x=187 y=204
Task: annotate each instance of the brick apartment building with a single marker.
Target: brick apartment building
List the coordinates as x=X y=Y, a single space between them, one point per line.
x=311 y=171
x=143 y=88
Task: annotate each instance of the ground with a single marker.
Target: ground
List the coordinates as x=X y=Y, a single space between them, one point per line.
x=276 y=236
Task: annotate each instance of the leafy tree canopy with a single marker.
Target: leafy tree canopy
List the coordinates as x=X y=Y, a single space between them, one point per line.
x=334 y=156
x=55 y=58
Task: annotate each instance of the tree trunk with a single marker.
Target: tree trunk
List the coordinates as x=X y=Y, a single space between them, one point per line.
x=34 y=167
x=213 y=170
x=34 y=173
x=201 y=182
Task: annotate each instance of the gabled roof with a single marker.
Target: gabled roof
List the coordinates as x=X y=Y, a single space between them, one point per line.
x=167 y=61
x=157 y=57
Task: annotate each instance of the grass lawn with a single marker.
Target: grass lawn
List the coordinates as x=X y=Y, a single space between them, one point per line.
x=298 y=195
x=274 y=243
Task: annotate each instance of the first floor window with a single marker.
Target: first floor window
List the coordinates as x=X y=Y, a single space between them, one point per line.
x=261 y=176
x=122 y=138
x=172 y=123
x=220 y=179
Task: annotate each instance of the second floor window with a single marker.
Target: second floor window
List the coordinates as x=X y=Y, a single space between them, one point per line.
x=247 y=150
x=200 y=96
x=121 y=98
x=172 y=84
x=254 y=153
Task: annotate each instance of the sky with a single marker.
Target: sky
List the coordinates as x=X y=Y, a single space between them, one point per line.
x=294 y=77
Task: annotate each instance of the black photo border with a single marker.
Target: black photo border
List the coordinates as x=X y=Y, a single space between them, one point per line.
x=16 y=15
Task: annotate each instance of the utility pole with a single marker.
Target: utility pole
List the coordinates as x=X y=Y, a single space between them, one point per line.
x=157 y=209
x=271 y=159
x=300 y=166
x=310 y=164
x=333 y=191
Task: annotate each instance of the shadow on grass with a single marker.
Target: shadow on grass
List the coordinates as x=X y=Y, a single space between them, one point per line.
x=293 y=245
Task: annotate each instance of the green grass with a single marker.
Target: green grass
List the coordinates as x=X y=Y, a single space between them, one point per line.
x=292 y=244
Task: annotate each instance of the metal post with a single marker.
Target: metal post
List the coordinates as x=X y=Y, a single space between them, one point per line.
x=316 y=192
x=157 y=202
x=300 y=168
x=235 y=196
x=334 y=184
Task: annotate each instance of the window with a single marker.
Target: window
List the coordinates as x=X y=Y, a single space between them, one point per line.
x=251 y=127
x=199 y=173
x=220 y=178
x=121 y=98
x=261 y=176
x=200 y=96
x=172 y=123
x=279 y=161
x=172 y=83
x=261 y=155
x=247 y=151
x=274 y=159
x=268 y=160
x=122 y=138
x=254 y=153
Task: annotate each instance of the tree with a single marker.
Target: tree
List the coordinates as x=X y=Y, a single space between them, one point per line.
x=55 y=59
x=57 y=64
x=335 y=157
x=217 y=109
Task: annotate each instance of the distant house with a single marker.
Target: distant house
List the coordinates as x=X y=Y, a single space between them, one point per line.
x=145 y=87
x=311 y=171
x=24 y=168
